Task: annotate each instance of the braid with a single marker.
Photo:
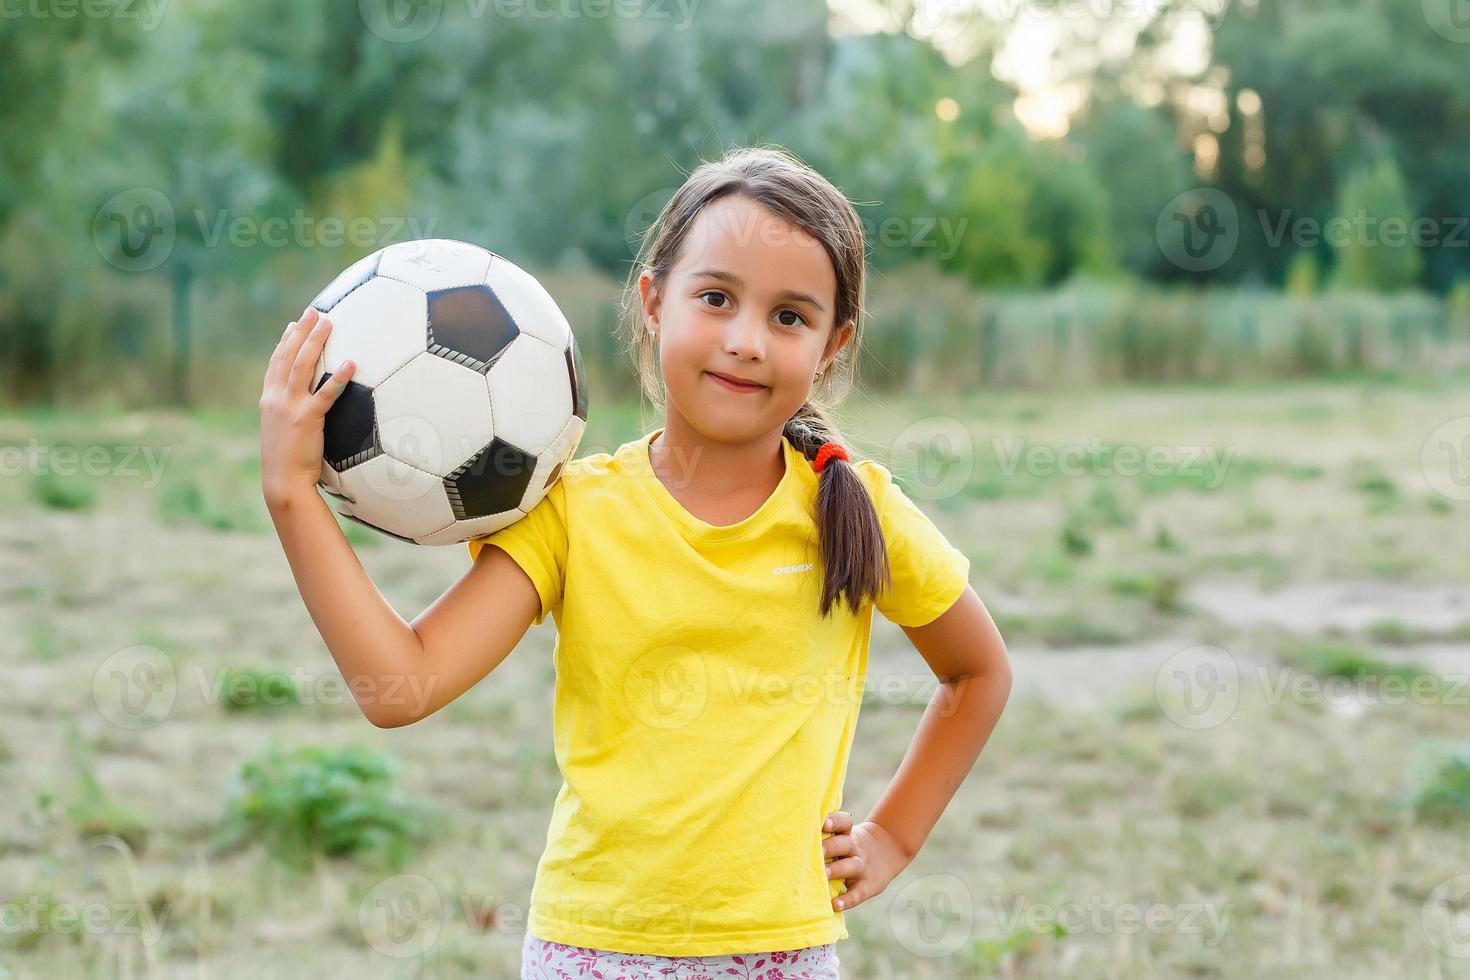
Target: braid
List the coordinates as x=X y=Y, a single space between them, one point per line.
x=854 y=555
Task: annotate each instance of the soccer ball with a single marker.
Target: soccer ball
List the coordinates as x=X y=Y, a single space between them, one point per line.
x=469 y=393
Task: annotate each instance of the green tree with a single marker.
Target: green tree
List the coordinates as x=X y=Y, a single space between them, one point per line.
x=192 y=128
x=1376 y=251
x=1338 y=82
x=1136 y=148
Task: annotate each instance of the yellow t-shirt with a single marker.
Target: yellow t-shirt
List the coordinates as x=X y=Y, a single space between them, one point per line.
x=703 y=709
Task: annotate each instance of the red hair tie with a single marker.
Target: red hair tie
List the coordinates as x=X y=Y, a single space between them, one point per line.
x=828 y=451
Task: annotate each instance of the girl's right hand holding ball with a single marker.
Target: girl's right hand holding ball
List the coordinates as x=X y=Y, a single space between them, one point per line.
x=291 y=415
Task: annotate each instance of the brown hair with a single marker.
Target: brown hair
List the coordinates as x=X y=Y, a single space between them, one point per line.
x=854 y=556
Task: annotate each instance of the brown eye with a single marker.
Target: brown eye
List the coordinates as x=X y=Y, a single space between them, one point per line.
x=799 y=318
x=713 y=292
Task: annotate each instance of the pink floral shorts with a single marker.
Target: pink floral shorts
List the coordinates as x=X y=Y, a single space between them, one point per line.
x=542 y=960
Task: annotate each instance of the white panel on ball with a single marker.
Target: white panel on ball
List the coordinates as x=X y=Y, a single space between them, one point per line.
x=528 y=303
x=530 y=394
x=381 y=325
x=330 y=478
x=435 y=263
x=473 y=528
x=563 y=447
x=395 y=495
x=433 y=413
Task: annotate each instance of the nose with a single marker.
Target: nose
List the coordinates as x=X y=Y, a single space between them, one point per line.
x=745 y=336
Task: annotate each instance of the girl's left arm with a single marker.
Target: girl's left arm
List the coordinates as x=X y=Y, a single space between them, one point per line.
x=965 y=650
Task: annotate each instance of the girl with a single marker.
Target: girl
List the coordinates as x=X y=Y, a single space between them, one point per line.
x=713 y=583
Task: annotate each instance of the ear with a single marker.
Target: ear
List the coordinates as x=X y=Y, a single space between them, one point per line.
x=648 y=293
x=836 y=341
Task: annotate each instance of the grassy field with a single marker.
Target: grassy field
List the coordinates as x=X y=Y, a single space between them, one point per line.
x=1239 y=619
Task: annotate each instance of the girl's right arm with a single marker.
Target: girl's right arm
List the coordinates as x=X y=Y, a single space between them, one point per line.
x=398 y=672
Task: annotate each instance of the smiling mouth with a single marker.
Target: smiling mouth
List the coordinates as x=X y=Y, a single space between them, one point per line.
x=731 y=383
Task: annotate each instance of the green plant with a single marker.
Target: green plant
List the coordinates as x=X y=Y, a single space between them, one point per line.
x=42 y=913
x=1076 y=540
x=57 y=493
x=1164 y=540
x=310 y=801
x=1161 y=591
x=1106 y=507
x=1390 y=631
x=1005 y=954
x=1445 y=797
x=255 y=689
x=1330 y=659
x=187 y=499
x=90 y=809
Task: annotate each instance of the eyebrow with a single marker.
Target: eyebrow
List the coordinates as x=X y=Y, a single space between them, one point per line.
x=735 y=280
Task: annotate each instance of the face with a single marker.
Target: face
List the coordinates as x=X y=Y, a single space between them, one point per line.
x=751 y=297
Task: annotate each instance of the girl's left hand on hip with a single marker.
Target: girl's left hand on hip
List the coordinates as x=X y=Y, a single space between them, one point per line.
x=865 y=856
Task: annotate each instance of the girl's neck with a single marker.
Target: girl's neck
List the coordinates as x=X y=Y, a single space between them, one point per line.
x=685 y=460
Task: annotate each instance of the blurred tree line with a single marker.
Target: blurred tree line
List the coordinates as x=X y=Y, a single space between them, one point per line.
x=177 y=178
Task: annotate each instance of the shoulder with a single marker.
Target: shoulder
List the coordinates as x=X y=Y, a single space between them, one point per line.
x=598 y=471
x=876 y=477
